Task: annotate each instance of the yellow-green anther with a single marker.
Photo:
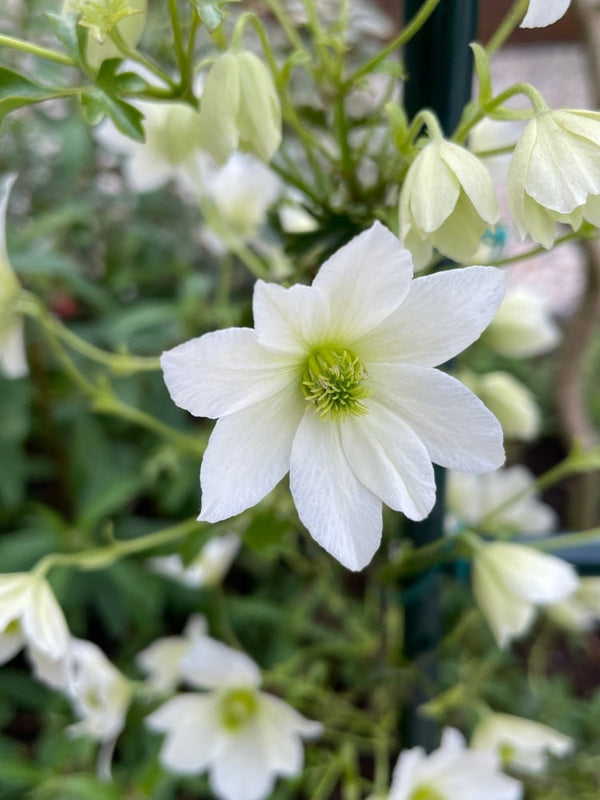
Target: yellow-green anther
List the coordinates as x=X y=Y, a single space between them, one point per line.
x=237 y=707
x=334 y=382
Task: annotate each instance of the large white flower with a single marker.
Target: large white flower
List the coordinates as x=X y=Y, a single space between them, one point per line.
x=521 y=743
x=544 y=12
x=511 y=580
x=452 y=772
x=523 y=326
x=12 y=348
x=554 y=173
x=473 y=500
x=245 y=738
x=31 y=617
x=447 y=201
x=336 y=384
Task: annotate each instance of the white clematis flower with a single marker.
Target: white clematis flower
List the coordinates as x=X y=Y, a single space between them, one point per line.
x=245 y=738
x=161 y=660
x=473 y=500
x=336 y=384
x=208 y=568
x=521 y=743
x=554 y=173
x=30 y=617
x=452 y=772
x=12 y=347
x=523 y=326
x=580 y=612
x=447 y=201
x=510 y=581
x=544 y=12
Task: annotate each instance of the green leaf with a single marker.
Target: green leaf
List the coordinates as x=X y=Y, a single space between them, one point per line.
x=76 y=787
x=98 y=104
x=71 y=35
x=114 y=82
x=17 y=91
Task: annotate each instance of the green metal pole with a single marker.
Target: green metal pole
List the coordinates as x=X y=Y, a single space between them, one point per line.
x=439 y=64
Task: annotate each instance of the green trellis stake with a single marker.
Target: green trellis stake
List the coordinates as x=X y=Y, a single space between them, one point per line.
x=439 y=64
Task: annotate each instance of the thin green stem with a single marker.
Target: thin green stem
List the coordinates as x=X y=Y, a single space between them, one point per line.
x=36 y=50
x=471 y=117
x=286 y=23
x=591 y=536
x=413 y=27
x=105 y=556
x=568 y=237
x=180 y=53
x=507 y=26
x=135 y=55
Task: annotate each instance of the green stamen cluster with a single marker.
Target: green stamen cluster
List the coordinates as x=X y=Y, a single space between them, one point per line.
x=424 y=792
x=237 y=707
x=101 y=16
x=333 y=381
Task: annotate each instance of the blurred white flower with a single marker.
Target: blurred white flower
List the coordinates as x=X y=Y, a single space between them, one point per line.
x=161 y=660
x=521 y=743
x=511 y=402
x=544 y=12
x=12 y=347
x=100 y=694
x=471 y=499
x=171 y=151
x=554 y=173
x=447 y=201
x=208 y=568
x=30 y=617
x=240 y=108
x=336 y=384
x=243 y=737
x=452 y=772
x=97 y=15
x=580 y=612
x=510 y=581
x=523 y=326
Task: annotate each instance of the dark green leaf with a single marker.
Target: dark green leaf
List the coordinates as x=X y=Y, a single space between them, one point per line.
x=17 y=91
x=71 y=35
x=97 y=104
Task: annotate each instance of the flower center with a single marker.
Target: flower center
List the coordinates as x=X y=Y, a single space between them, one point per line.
x=333 y=381
x=237 y=707
x=425 y=792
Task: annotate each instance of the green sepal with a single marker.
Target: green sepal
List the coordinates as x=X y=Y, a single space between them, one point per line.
x=211 y=14
x=484 y=77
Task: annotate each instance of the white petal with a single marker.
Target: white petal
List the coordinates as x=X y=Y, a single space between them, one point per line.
x=390 y=460
x=340 y=513
x=242 y=772
x=364 y=281
x=544 y=12
x=406 y=773
x=536 y=577
x=161 y=661
x=211 y=664
x=15 y=591
x=288 y=718
x=441 y=315
x=10 y=644
x=193 y=737
x=291 y=319
x=507 y=615
x=13 y=361
x=43 y=622
x=474 y=178
x=249 y=453
x=454 y=425
x=223 y=372
x=432 y=189
x=6 y=273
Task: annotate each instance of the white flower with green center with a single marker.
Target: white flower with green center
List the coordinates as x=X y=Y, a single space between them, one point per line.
x=544 y=12
x=30 y=617
x=336 y=383
x=521 y=743
x=243 y=737
x=126 y=17
x=12 y=348
x=452 y=772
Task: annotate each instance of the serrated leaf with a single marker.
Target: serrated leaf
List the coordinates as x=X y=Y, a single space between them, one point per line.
x=17 y=91
x=98 y=104
x=115 y=82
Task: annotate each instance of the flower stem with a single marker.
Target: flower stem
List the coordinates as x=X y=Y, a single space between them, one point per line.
x=36 y=50
x=507 y=26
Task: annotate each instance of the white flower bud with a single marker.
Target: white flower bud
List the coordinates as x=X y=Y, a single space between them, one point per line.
x=240 y=108
x=447 y=201
x=522 y=326
x=511 y=402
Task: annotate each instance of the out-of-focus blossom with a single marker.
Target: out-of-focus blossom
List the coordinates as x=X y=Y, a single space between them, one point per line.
x=580 y=612
x=510 y=581
x=12 y=348
x=452 y=772
x=509 y=401
x=473 y=500
x=243 y=737
x=447 y=202
x=522 y=744
x=126 y=17
x=208 y=568
x=523 y=326
x=544 y=12
x=161 y=660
